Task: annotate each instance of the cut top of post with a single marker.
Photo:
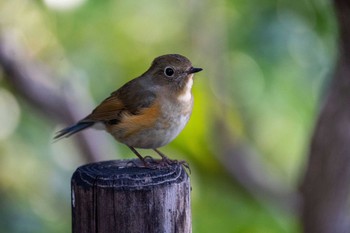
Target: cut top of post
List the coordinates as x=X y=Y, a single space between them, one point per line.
x=127 y=174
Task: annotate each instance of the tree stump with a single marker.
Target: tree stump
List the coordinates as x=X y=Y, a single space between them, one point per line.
x=122 y=196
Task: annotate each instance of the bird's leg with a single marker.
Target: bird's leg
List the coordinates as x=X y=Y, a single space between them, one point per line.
x=143 y=159
x=168 y=161
x=164 y=157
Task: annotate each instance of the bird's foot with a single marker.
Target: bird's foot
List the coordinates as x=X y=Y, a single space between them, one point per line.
x=149 y=162
x=168 y=162
x=145 y=162
x=165 y=161
x=152 y=163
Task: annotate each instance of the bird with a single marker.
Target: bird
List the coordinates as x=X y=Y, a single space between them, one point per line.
x=149 y=111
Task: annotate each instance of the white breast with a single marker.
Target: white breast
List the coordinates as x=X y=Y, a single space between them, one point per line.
x=186 y=95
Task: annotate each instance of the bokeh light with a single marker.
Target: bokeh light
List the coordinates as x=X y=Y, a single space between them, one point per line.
x=9 y=113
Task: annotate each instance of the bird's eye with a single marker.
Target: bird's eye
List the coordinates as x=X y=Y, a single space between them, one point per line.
x=168 y=71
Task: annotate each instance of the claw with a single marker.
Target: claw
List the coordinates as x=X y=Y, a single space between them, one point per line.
x=151 y=163
x=185 y=165
x=131 y=163
x=168 y=162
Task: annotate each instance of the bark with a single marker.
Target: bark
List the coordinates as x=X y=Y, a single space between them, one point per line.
x=326 y=185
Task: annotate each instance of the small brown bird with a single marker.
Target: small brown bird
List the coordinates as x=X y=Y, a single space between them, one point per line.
x=148 y=111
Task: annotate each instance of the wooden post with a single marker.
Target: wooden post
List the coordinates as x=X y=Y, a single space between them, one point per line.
x=119 y=197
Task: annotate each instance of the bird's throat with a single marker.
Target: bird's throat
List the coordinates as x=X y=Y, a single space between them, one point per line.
x=185 y=94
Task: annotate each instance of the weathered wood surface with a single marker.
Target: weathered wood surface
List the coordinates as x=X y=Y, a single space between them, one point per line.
x=116 y=196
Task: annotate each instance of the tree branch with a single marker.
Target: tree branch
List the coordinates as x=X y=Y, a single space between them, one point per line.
x=326 y=185
x=33 y=82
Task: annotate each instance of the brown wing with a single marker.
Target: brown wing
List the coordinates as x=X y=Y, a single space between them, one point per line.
x=130 y=98
x=109 y=109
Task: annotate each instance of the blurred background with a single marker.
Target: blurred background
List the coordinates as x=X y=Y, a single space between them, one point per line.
x=266 y=67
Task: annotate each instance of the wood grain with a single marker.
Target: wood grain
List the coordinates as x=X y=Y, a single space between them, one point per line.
x=117 y=196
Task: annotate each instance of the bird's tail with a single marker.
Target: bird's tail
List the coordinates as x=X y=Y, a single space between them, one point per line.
x=66 y=132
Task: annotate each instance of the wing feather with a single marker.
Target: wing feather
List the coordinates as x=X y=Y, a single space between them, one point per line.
x=130 y=99
x=108 y=110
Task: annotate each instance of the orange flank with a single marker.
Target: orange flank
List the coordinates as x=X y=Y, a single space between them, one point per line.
x=135 y=123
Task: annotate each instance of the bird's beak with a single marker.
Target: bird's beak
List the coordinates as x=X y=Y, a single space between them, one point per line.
x=194 y=70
